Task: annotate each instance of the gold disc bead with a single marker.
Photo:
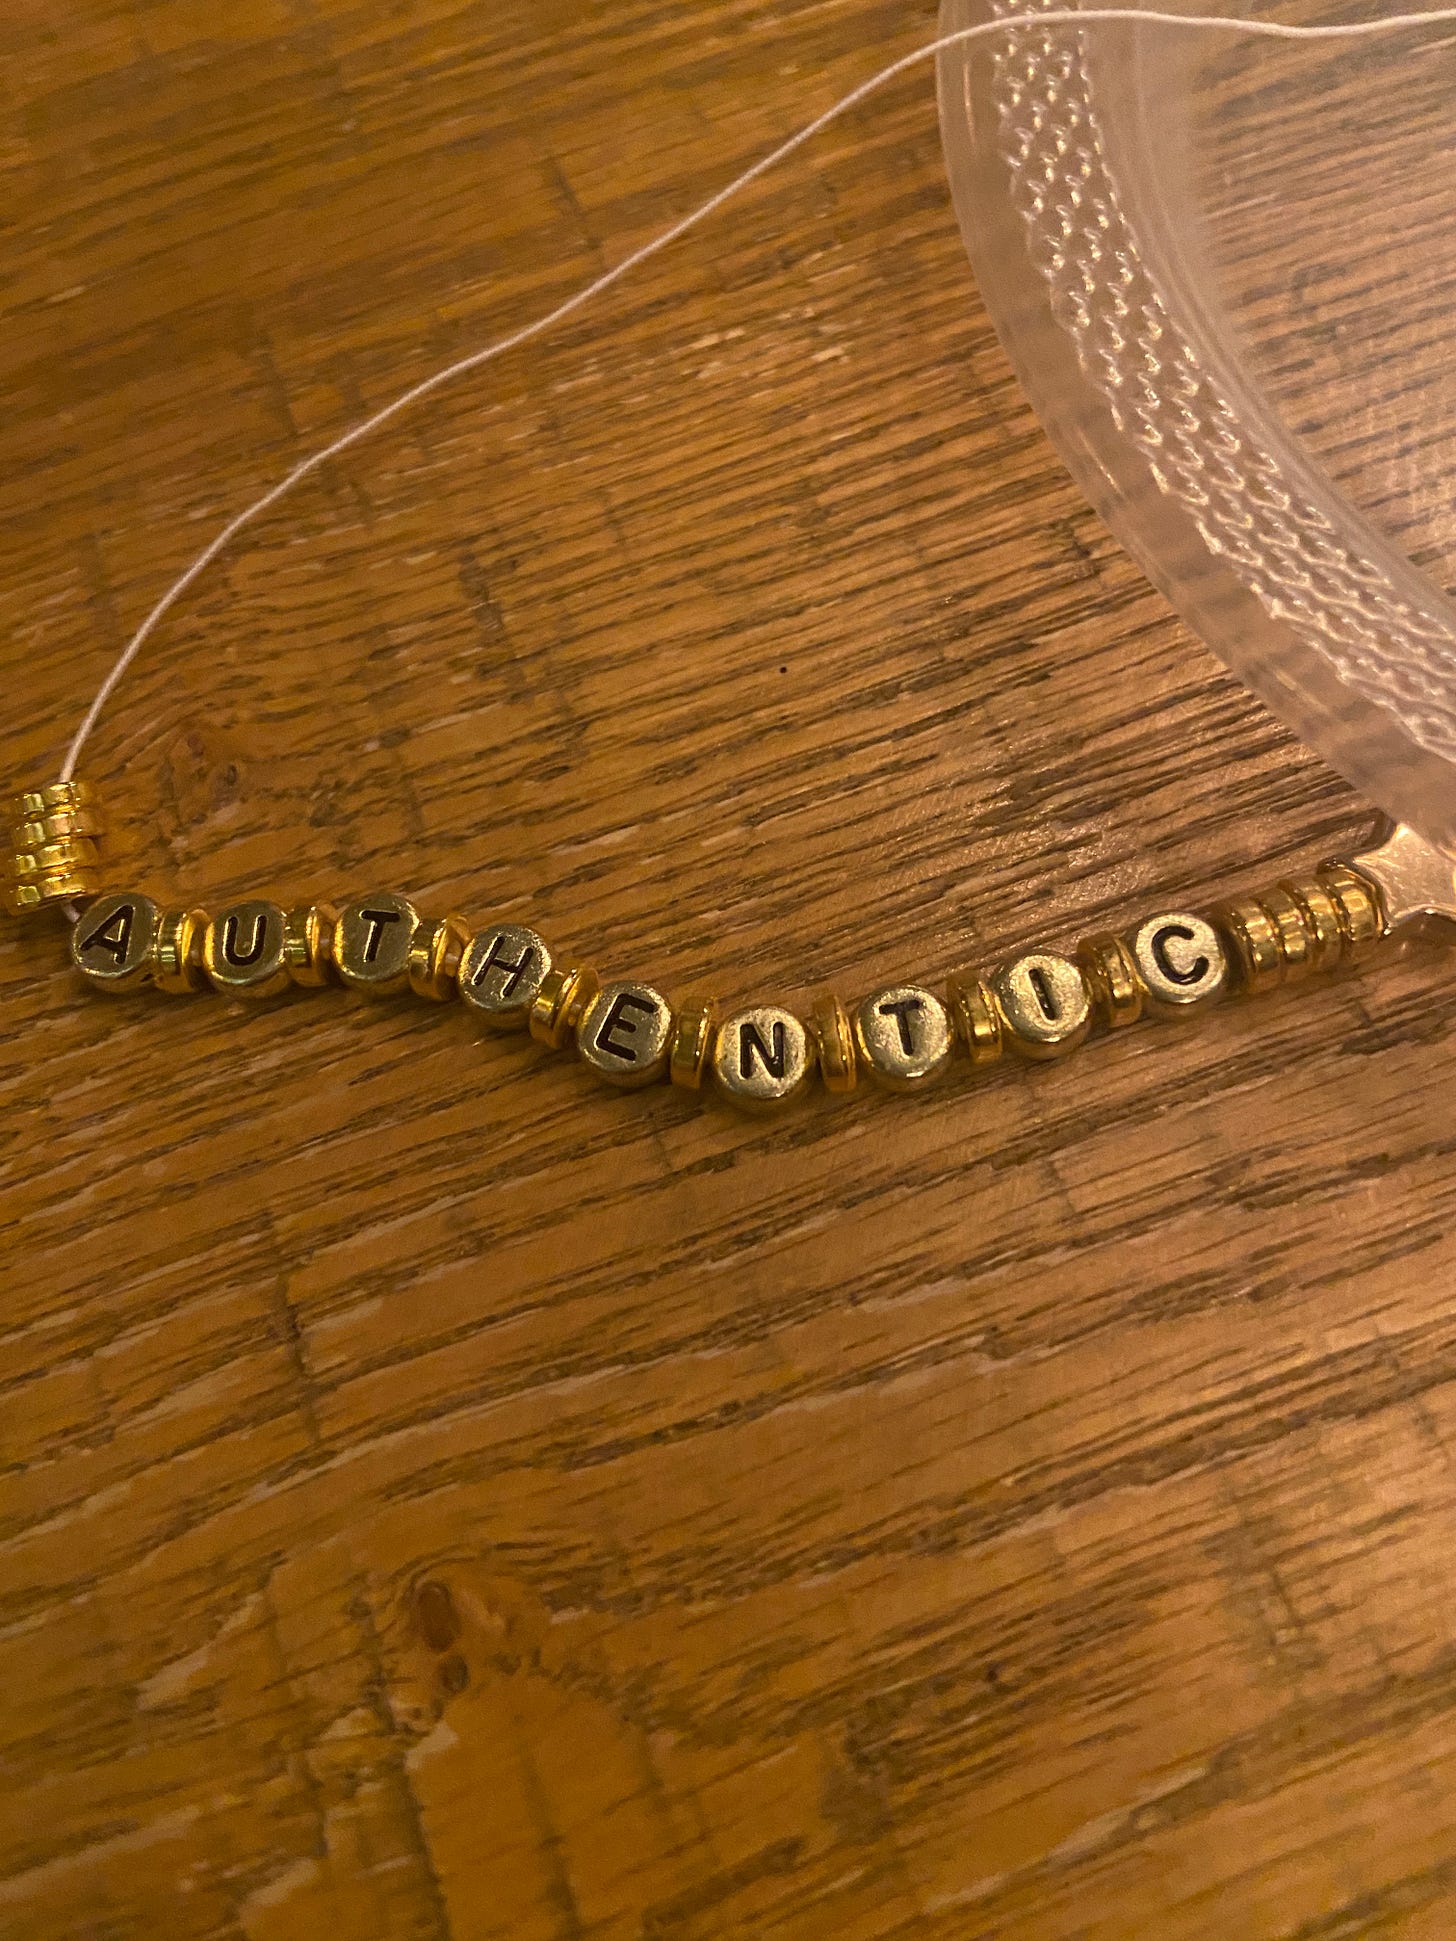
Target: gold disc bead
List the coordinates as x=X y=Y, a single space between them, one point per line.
x=434 y=957
x=55 y=798
x=692 y=1043
x=625 y=1035
x=1298 y=946
x=1044 y=1004
x=62 y=825
x=973 y=1006
x=1180 y=962
x=308 y=944
x=834 y=1043
x=1362 y=917
x=113 y=940
x=763 y=1058
x=372 y=942
x=242 y=950
x=559 y=1003
x=501 y=974
x=177 y=952
x=1256 y=958
x=904 y=1036
x=1322 y=919
x=1112 y=978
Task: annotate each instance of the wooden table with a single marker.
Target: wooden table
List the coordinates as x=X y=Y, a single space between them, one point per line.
x=441 y=1497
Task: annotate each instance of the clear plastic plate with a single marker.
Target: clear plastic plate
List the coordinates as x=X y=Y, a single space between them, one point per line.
x=1225 y=269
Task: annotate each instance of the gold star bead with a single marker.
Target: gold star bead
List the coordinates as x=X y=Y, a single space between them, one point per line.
x=1413 y=877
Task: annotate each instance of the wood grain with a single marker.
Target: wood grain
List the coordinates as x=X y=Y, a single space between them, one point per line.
x=441 y=1499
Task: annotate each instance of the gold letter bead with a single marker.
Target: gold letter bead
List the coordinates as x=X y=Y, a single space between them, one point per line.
x=502 y=972
x=1044 y=1004
x=560 y=1002
x=243 y=951
x=177 y=965
x=834 y=1042
x=625 y=1034
x=692 y=1044
x=372 y=940
x=904 y=1036
x=308 y=944
x=1112 y=978
x=763 y=1057
x=979 y=1022
x=434 y=958
x=112 y=941
x=1180 y=961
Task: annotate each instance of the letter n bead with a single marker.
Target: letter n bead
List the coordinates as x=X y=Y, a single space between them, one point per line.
x=763 y=1058
x=625 y=1034
x=372 y=941
x=113 y=939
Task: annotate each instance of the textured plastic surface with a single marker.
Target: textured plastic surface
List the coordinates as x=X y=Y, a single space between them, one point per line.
x=1225 y=270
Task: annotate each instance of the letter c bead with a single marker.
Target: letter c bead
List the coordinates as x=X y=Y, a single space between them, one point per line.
x=1044 y=1005
x=904 y=1036
x=372 y=941
x=113 y=939
x=1181 y=963
x=243 y=952
x=625 y=1034
x=762 y=1058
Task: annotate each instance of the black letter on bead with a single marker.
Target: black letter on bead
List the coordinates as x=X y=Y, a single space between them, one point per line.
x=902 y=1010
x=517 y=970
x=1041 y=984
x=113 y=936
x=617 y=1020
x=1196 y=972
x=775 y=1062
x=376 y=919
x=240 y=959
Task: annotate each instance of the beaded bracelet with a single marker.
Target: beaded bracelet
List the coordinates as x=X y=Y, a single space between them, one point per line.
x=1039 y=1005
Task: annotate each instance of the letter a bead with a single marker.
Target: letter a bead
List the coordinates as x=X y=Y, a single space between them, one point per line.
x=243 y=951
x=763 y=1058
x=111 y=944
x=372 y=941
x=625 y=1034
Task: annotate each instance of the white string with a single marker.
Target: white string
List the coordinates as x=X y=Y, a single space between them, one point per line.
x=1053 y=17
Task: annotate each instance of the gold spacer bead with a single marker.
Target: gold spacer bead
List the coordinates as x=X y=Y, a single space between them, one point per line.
x=74 y=856
x=834 y=1037
x=558 y=1005
x=1112 y=978
x=63 y=826
x=1298 y=946
x=308 y=944
x=178 y=950
x=976 y=1017
x=434 y=957
x=1322 y=919
x=33 y=804
x=1254 y=937
x=46 y=892
x=692 y=1044
x=1362 y=917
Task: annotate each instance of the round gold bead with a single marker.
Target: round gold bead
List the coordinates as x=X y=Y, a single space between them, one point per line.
x=45 y=892
x=1297 y=943
x=978 y=1021
x=177 y=952
x=1180 y=962
x=242 y=950
x=308 y=944
x=1361 y=916
x=692 y=1043
x=1322 y=919
x=1044 y=1004
x=372 y=941
x=834 y=1043
x=559 y=1003
x=501 y=974
x=625 y=1035
x=434 y=957
x=77 y=855
x=65 y=825
x=1112 y=978
x=1254 y=935
x=904 y=1036
x=55 y=797
x=762 y=1058
x=113 y=939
